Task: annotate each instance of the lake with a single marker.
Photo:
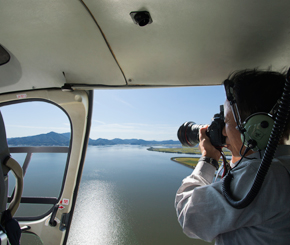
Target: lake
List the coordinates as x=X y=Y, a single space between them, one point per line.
x=127 y=196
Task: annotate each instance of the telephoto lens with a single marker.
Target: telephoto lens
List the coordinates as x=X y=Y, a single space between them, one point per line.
x=188 y=133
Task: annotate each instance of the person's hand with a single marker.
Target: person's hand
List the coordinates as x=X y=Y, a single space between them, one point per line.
x=205 y=146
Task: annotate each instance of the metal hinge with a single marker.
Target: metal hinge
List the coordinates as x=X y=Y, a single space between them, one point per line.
x=64 y=221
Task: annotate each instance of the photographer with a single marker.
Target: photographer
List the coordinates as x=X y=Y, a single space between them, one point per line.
x=202 y=209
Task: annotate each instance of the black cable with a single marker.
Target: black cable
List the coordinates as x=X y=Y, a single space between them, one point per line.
x=226 y=165
x=277 y=130
x=250 y=148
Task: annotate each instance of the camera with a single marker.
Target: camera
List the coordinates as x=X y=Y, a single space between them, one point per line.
x=188 y=133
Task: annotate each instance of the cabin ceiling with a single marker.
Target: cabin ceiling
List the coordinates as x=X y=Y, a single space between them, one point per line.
x=93 y=43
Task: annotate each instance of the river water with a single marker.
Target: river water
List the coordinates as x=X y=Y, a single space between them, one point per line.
x=127 y=196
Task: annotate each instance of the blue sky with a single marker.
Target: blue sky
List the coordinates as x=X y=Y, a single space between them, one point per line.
x=150 y=114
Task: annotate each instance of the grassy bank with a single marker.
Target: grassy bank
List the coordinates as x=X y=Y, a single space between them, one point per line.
x=183 y=150
x=180 y=150
x=187 y=161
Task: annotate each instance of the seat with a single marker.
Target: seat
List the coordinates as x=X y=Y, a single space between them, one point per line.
x=9 y=225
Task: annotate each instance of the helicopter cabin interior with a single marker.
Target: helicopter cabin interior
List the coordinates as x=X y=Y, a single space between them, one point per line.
x=57 y=52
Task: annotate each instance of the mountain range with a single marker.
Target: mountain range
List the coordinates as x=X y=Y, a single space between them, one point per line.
x=55 y=139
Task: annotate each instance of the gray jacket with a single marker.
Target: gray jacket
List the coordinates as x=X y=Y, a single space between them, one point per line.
x=204 y=213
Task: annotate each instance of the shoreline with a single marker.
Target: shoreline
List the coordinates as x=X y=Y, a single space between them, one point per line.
x=177 y=150
x=190 y=162
x=184 y=150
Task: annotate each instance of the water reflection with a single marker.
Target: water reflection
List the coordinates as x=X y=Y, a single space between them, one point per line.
x=126 y=197
x=98 y=218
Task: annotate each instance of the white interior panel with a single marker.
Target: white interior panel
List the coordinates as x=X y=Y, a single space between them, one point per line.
x=88 y=43
x=195 y=42
x=51 y=37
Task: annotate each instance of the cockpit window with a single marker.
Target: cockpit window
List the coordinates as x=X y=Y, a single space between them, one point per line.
x=38 y=136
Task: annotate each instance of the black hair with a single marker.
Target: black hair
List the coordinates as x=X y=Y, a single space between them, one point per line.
x=257 y=91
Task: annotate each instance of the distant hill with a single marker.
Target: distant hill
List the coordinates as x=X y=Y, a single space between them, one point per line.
x=49 y=139
x=55 y=139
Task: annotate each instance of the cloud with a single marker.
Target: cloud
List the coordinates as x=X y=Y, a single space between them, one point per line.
x=123 y=102
x=98 y=122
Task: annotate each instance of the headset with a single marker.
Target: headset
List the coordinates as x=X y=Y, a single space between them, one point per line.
x=254 y=132
x=256 y=129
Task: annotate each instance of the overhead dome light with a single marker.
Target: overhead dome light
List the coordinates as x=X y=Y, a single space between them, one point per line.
x=4 y=56
x=141 y=18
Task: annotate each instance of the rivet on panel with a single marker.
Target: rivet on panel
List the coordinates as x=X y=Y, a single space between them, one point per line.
x=78 y=98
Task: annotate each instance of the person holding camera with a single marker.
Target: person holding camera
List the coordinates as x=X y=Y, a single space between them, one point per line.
x=227 y=210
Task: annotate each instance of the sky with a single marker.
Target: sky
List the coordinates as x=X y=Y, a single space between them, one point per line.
x=149 y=114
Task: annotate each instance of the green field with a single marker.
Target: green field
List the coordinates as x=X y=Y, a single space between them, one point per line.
x=180 y=150
x=183 y=150
x=188 y=161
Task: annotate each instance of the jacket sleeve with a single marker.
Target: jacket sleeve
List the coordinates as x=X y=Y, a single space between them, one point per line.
x=203 y=212
x=202 y=175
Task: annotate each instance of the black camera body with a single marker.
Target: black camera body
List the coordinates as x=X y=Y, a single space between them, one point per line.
x=188 y=133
